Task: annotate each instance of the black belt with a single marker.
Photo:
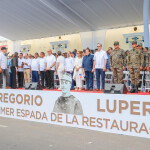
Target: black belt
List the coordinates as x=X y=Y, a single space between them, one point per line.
x=26 y=68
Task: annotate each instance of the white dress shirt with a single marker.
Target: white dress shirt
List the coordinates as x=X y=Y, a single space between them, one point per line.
x=69 y=64
x=42 y=64
x=35 y=64
x=20 y=61
x=28 y=61
x=61 y=61
x=50 y=60
x=100 y=57
x=3 y=61
x=73 y=59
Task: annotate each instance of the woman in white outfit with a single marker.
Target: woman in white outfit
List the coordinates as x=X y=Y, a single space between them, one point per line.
x=78 y=71
x=60 y=67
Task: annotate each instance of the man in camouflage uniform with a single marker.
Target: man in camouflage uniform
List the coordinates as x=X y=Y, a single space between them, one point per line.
x=117 y=63
x=67 y=103
x=135 y=64
x=147 y=58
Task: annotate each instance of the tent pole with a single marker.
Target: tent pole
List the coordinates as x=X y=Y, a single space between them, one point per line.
x=146 y=22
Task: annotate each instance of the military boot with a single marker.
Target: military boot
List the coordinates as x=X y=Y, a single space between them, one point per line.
x=132 y=89
x=136 y=88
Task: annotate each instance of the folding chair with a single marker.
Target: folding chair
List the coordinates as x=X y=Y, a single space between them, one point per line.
x=83 y=84
x=147 y=81
x=141 y=80
x=109 y=77
x=126 y=79
x=56 y=80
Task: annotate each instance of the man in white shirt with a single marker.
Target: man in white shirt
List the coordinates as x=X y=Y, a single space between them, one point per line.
x=73 y=56
x=35 y=68
x=27 y=68
x=30 y=57
x=50 y=68
x=69 y=66
x=20 y=70
x=42 y=68
x=3 y=67
x=60 y=67
x=99 y=65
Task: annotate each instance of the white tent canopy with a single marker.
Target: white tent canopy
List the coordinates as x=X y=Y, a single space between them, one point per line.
x=28 y=19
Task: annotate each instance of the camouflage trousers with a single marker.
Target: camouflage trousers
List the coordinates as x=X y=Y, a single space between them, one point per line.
x=118 y=75
x=134 y=75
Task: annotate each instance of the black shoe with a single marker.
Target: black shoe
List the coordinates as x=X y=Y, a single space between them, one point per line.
x=51 y=88
x=47 y=88
x=86 y=89
x=136 y=88
x=132 y=89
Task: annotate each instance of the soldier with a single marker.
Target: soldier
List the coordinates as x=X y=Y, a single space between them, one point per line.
x=117 y=63
x=135 y=64
x=67 y=103
x=147 y=58
x=140 y=47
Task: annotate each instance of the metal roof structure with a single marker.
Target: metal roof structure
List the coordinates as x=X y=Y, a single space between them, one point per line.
x=30 y=19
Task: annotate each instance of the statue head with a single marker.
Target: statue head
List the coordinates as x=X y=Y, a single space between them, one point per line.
x=66 y=81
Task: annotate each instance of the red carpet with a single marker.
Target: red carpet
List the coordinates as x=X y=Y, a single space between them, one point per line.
x=82 y=91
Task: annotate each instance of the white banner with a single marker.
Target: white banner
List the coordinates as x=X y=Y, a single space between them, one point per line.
x=121 y=114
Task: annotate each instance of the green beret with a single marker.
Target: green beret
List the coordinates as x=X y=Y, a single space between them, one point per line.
x=134 y=42
x=116 y=43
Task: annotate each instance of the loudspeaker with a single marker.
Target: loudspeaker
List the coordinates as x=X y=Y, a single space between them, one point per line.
x=115 y=89
x=31 y=86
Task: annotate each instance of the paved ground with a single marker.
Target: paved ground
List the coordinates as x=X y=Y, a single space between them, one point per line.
x=25 y=135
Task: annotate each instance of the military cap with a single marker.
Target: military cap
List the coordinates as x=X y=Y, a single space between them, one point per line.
x=67 y=77
x=134 y=42
x=116 y=43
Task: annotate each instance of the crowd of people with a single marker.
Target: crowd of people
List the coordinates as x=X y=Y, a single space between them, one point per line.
x=80 y=64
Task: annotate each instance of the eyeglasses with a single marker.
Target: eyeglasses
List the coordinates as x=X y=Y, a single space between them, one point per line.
x=98 y=46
